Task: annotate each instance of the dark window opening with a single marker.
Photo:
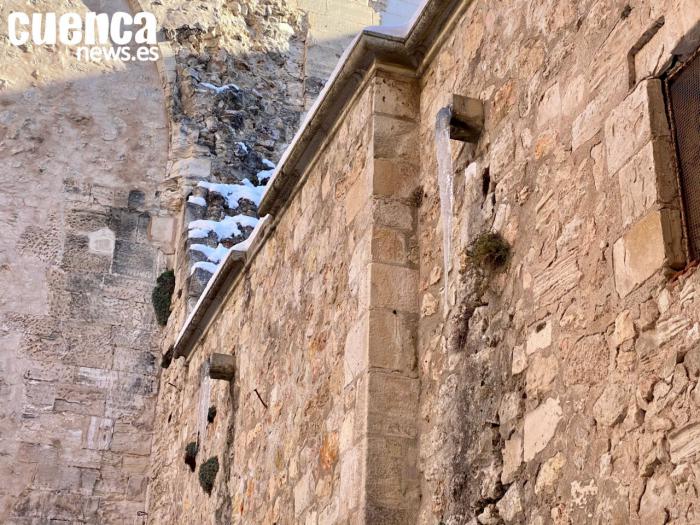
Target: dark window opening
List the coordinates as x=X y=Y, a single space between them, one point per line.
x=683 y=92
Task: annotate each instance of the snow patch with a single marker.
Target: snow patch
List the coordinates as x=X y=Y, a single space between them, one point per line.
x=226 y=228
x=199 y=201
x=233 y=193
x=212 y=254
x=265 y=175
x=219 y=89
x=204 y=265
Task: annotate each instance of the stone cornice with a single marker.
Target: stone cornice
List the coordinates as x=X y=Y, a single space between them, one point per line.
x=408 y=48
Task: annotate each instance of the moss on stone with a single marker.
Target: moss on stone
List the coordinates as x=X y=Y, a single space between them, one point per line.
x=211 y=414
x=207 y=473
x=490 y=250
x=191 y=450
x=162 y=296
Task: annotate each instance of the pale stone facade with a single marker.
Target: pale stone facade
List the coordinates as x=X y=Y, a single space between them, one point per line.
x=81 y=225
x=562 y=391
x=93 y=159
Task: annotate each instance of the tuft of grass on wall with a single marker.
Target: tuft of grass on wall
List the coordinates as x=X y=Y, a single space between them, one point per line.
x=162 y=296
x=191 y=450
x=490 y=251
x=207 y=473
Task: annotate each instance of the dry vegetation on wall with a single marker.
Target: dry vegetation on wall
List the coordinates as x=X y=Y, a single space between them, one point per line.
x=162 y=296
x=191 y=450
x=207 y=474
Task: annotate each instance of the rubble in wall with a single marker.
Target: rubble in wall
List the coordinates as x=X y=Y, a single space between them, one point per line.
x=237 y=99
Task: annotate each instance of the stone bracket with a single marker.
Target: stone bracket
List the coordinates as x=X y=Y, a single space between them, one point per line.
x=221 y=366
x=467 y=121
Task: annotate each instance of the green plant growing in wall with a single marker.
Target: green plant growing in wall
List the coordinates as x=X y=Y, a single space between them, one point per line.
x=207 y=473
x=191 y=450
x=489 y=251
x=162 y=296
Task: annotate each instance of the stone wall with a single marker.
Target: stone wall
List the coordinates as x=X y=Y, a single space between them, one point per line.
x=83 y=148
x=559 y=389
x=278 y=428
x=572 y=398
x=99 y=162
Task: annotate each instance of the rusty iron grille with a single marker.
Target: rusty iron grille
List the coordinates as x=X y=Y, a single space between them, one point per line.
x=683 y=88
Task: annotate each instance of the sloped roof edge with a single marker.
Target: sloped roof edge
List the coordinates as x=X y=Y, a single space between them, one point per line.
x=405 y=46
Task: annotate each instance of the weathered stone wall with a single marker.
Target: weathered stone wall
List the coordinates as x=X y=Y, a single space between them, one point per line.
x=278 y=427
x=98 y=163
x=573 y=396
x=83 y=148
x=560 y=389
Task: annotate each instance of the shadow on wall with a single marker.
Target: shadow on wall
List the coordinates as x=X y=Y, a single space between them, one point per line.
x=80 y=166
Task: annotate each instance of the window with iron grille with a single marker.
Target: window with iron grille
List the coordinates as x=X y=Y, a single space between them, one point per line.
x=683 y=91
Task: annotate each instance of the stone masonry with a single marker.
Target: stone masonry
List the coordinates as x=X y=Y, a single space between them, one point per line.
x=98 y=163
x=83 y=149
x=565 y=393
x=369 y=377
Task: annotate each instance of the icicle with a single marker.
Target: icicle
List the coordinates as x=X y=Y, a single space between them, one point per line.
x=445 y=178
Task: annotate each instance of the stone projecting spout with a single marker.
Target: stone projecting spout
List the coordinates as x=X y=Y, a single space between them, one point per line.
x=467 y=122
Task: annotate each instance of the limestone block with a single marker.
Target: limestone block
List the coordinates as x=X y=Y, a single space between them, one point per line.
x=587 y=124
x=392 y=479
x=512 y=458
x=395 y=97
x=539 y=337
x=654 y=241
x=684 y=443
x=192 y=168
x=624 y=328
x=556 y=280
x=390 y=246
x=541 y=374
x=392 y=401
x=303 y=492
x=392 y=340
x=502 y=152
x=99 y=433
x=131 y=442
x=101 y=242
x=393 y=214
x=394 y=287
x=355 y=199
x=510 y=505
x=540 y=426
x=549 y=473
x=647 y=179
x=352 y=475
x=394 y=178
x=640 y=118
x=519 y=360
x=683 y=27
x=611 y=406
x=356 y=348
x=550 y=107
x=395 y=138
x=162 y=229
